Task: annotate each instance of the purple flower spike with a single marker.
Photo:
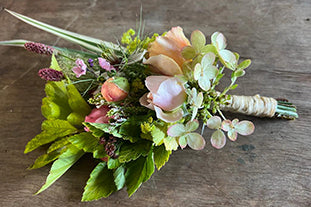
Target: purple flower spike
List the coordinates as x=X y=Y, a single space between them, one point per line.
x=104 y=64
x=50 y=74
x=39 y=48
x=80 y=69
x=90 y=61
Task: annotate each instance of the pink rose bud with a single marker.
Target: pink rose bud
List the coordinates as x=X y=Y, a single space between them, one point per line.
x=115 y=89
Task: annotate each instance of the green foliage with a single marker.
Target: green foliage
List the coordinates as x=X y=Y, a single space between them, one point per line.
x=61 y=165
x=46 y=158
x=51 y=130
x=132 y=151
x=113 y=163
x=84 y=141
x=119 y=177
x=58 y=144
x=161 y=156
x=100 y=184
x=130 y=129
x=139 y=171
x=107 y=128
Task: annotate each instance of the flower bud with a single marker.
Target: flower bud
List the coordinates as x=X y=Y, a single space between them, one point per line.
x=115 y=89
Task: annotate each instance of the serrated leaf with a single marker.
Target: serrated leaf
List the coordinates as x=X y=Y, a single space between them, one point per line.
x=130 y=129
x=46 y=159
x=197 y=40
x=52 y=129
x=170 y=143
x=95 y=131
x=119 y=177
x=84 y=141
x=245 y=64
x=129 y=151
x=100 y=184
x=60 y=166
x=107 y=128
x=76 y=102
x=157 y=135
x=113 y=163
x=188 y=52
x=139 y=171
x=161 y=156
x=58 y=144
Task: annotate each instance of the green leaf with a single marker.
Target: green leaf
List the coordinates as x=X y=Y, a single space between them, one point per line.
x=82 y=40
x=95 y=131
x=60 y=166
x=131 y=128
x=49 y=109
x=100 y=184
x=58 y=144
x=76 y=102
x=245 y=64
x=188 y=52
x=129 y=151
x=113 y=163
x=107 y=128
x=54 y=64
x=233 y=87
x=46 y=159
x=139 y=171
x=197 y=40
x=239 y=73
x=56 y=91
x=18 y=43
x=52 y=129
x=157 y=135
x=119 y=177
x=84 y=141
x=75 y=119
x=161 y=156
x=170 y=143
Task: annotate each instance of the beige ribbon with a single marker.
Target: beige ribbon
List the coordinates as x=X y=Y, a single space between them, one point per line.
x=251 y=105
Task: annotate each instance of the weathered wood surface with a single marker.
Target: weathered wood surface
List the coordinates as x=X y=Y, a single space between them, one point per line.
x=272 y=167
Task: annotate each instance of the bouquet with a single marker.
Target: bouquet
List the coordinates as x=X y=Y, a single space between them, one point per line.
x=132 y=103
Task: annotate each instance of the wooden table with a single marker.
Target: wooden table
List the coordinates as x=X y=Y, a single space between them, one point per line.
x=272 y=167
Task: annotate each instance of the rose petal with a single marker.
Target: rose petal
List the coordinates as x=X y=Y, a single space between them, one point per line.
x=232 y=135
x=226 y=125
x=170 y=94
x=218 y=139
x=153 y=82
x=176 y=130
x=170 y=45
x=195 y=141
x=214 y=122
x=164 y=65
x=169 y=117
x=245 y=128
x=143 y=101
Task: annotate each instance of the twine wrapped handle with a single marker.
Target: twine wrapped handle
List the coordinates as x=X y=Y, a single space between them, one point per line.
x=260 y=106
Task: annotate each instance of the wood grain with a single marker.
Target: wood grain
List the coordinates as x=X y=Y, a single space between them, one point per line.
x=272 y=167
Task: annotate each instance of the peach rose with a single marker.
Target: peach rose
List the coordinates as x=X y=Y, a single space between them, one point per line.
x=166 y=93
x=165 y=53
